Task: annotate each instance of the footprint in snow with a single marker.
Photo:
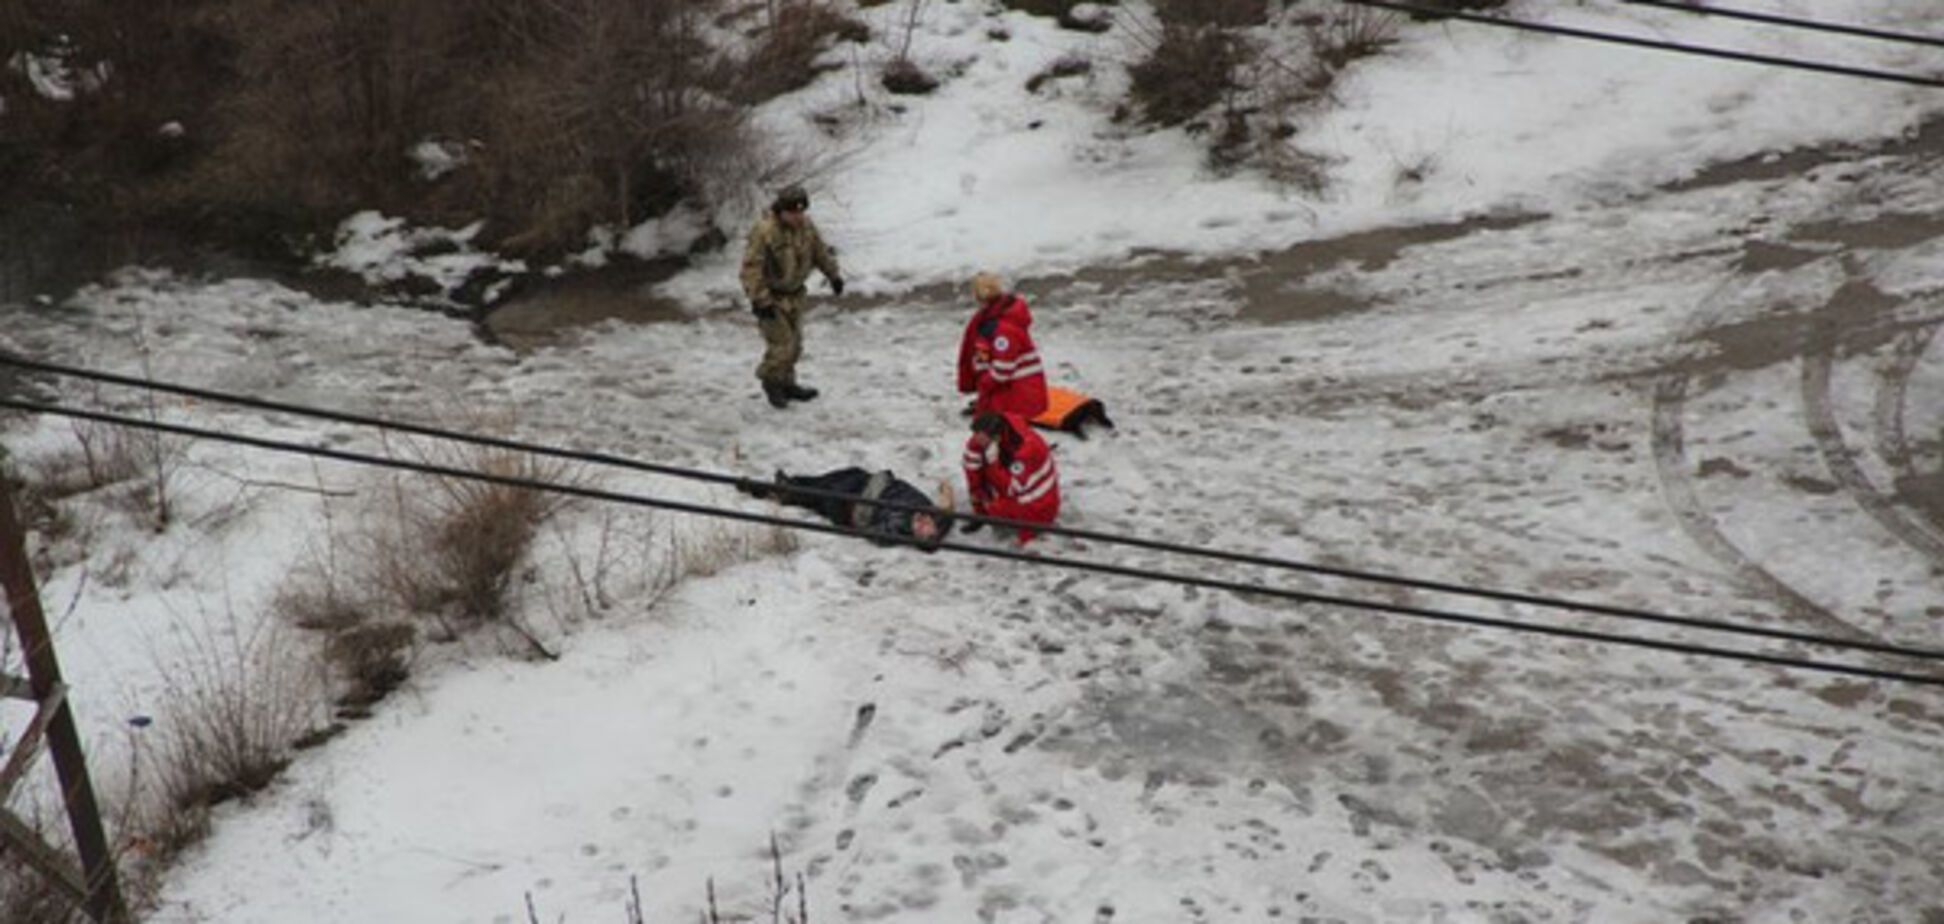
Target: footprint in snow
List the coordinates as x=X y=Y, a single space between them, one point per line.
x=865 y=714
x=859 y=787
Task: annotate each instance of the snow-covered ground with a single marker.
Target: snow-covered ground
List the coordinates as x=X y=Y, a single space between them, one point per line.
x=1723 y=400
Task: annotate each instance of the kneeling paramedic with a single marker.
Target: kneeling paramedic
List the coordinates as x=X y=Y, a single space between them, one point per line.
x=1010 y=473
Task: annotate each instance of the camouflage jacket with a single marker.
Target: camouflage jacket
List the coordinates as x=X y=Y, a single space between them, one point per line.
x=779 y=258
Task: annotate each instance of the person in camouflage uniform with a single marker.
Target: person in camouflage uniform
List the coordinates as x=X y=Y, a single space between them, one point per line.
x=783 y=247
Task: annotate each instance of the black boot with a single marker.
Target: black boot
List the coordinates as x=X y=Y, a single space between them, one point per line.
x=778 y=395
x=799 y=392
x=766 y=490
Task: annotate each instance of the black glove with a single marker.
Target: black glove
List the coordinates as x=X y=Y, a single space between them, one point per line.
x=764 y=311
x=836 y=285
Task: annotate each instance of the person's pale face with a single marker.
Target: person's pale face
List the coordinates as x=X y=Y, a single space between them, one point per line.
x=793 y=217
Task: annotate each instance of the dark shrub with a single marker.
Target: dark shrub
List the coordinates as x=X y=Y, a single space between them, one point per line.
x=1187 y=71
x=907 y=79
x=373 y=660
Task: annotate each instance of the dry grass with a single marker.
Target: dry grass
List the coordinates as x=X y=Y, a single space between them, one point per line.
x=420 y=551
x=236 y=701
x=101 y=455
x=709 y=547
x=26 y=896
x=457 y=545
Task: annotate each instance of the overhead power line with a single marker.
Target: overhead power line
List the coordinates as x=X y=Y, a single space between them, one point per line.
x=1809 y=24
x=1701 y=50
x=1860 y=643
x=1078 y=564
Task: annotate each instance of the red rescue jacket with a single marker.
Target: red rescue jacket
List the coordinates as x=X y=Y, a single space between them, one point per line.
x=1014 y=477
x=999 y=361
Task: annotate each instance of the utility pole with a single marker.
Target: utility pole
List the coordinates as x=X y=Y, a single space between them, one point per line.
x=95 y=887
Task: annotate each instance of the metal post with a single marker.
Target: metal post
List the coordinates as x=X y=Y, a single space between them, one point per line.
x=104 y=899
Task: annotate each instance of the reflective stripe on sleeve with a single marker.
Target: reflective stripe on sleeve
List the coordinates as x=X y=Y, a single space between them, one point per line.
x=1032 y=486
x=1018 y=374
x=1042 y=489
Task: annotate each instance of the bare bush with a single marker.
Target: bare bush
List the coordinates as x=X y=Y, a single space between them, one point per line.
x=234 y=703
x=901 y=75
x=468 y=537
x=1349 y=33
x=1187 y=70
x=1198 y=68
x=616 y=99
x=261 y=124
x=794 y=34
x=102 y=454
x=141 y=465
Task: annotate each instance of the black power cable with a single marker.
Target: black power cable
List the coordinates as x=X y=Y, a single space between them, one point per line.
x=1702 y=50
x=1078 y=564
x=1809 y=24
x=1243 y=558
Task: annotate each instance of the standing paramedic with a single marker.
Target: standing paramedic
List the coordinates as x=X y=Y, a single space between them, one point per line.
x=1009 y=473
x=998 y=363
x=783 y=247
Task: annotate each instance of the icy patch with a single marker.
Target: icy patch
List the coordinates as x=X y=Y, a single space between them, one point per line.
x=673 y=233
x=386 y=251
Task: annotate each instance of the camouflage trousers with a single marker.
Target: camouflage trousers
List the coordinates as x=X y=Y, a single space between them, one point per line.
x=782 y=342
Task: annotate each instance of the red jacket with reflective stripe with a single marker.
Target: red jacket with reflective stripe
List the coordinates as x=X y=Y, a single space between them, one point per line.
x=1014 y=476
x=999 y=361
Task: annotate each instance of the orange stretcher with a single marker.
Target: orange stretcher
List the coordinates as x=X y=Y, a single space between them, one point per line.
x=1069 y=411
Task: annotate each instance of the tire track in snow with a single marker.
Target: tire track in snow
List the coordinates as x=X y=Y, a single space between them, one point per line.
x=1672 y=465
x=1842 y=464
x=1888 y=415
